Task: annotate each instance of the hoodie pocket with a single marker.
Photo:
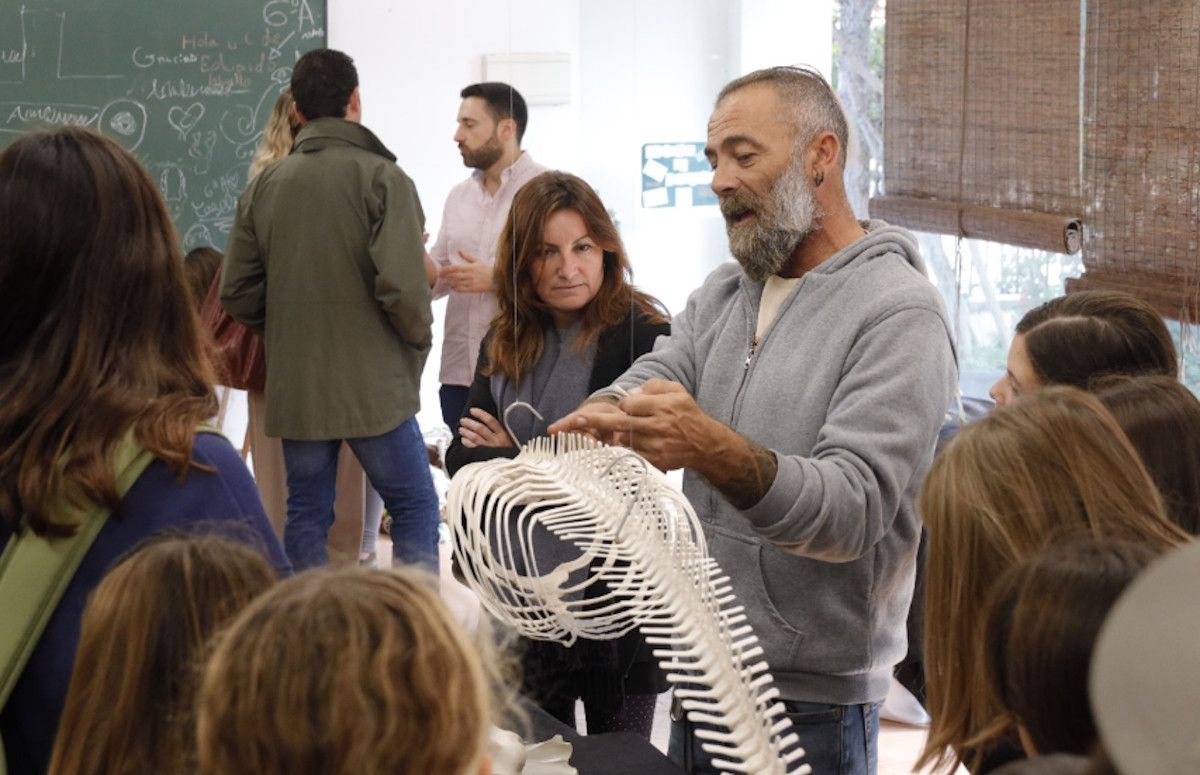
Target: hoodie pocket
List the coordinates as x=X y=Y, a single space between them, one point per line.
x=740 y=558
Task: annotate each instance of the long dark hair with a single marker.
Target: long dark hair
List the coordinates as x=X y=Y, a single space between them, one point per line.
x=1077 y=338
x=1040 y=624
x=97 y=333
x=521 y=317
x=1161 y=417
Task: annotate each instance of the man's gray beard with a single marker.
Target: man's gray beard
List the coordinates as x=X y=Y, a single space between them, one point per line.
x=787 y=215
x=485 y=156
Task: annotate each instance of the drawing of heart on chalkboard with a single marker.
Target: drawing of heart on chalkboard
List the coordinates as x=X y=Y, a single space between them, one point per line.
x=185 y=120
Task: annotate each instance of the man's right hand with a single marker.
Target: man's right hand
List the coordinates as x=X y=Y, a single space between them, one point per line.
x=582 y=420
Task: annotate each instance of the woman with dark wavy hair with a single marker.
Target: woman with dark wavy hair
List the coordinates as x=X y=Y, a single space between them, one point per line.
x=568 y=323
x=98 y=341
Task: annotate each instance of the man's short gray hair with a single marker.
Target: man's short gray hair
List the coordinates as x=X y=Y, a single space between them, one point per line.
x=815 y=107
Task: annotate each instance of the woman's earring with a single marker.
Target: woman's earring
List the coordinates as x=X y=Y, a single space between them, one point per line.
x=819 y=179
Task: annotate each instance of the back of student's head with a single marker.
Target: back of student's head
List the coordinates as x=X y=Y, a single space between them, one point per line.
x=1041 y=623
x=1051 y=466
x=1074 y=339
x=1161 y=417
x=200 y=266
x=141 y=645
x=322 y=83
x=503 y=101
x=94 y=318
x=345 y=671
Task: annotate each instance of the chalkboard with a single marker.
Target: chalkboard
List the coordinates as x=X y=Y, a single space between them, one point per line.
x=187 y=85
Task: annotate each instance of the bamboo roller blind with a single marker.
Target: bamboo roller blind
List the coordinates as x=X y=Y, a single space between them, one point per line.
x=982 y=120
x=1010 y=120
x=1142 y=152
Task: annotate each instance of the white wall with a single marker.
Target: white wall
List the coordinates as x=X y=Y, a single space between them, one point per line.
x=650 y=72
x=786 y=32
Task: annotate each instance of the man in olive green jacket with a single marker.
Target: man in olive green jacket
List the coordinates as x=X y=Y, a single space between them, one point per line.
x=326 y=260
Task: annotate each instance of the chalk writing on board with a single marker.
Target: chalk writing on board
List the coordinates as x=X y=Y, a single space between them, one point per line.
x=201 y=151
x=124 y=121
x=187 y=87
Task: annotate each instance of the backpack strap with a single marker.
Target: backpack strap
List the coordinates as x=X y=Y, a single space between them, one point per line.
x=35 y=571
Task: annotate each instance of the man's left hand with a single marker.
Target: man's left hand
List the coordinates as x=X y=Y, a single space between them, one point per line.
x=475 y=276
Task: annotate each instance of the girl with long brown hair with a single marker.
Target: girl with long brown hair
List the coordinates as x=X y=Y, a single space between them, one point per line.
x=568 y=322
x=142 y=644
x=1052 y=466
x=98 y=341
x=1161 y=417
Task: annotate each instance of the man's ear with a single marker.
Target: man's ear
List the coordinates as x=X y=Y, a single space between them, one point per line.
x=506 y=130
x=354 y=107
x=822 y=158
x=300 y=119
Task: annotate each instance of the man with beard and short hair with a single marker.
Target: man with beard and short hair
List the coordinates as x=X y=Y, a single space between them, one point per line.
x=491 y=123
x=801 y=390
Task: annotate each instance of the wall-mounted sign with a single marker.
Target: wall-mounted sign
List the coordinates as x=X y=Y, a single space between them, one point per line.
x=676 y=175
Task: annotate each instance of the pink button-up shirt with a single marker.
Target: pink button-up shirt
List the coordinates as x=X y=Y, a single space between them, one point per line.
x=472 y=222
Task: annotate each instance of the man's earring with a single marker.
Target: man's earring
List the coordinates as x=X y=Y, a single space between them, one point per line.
x=819 y=179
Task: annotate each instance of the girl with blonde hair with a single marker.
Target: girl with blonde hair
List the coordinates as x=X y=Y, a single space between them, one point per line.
x=141 y=644
x=1051 y=466
x=346 y=671
x=278 y=135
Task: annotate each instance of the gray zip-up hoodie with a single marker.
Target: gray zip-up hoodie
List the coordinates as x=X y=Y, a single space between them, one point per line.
x=848 y=386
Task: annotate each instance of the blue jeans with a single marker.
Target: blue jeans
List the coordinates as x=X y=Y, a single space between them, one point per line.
x=837 y=739
x=398 y=468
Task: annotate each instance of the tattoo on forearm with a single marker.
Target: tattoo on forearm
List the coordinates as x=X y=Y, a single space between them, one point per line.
x=744 y=480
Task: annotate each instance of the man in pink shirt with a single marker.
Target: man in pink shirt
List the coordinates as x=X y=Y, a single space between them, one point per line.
x=491 y=123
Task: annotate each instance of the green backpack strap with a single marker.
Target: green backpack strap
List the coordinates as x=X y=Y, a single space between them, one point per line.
x=35 y=571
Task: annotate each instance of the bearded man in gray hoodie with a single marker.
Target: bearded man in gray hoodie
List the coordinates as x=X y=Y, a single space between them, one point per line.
x=802 y=392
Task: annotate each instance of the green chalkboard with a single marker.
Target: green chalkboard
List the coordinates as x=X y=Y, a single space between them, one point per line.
x=187 y=85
